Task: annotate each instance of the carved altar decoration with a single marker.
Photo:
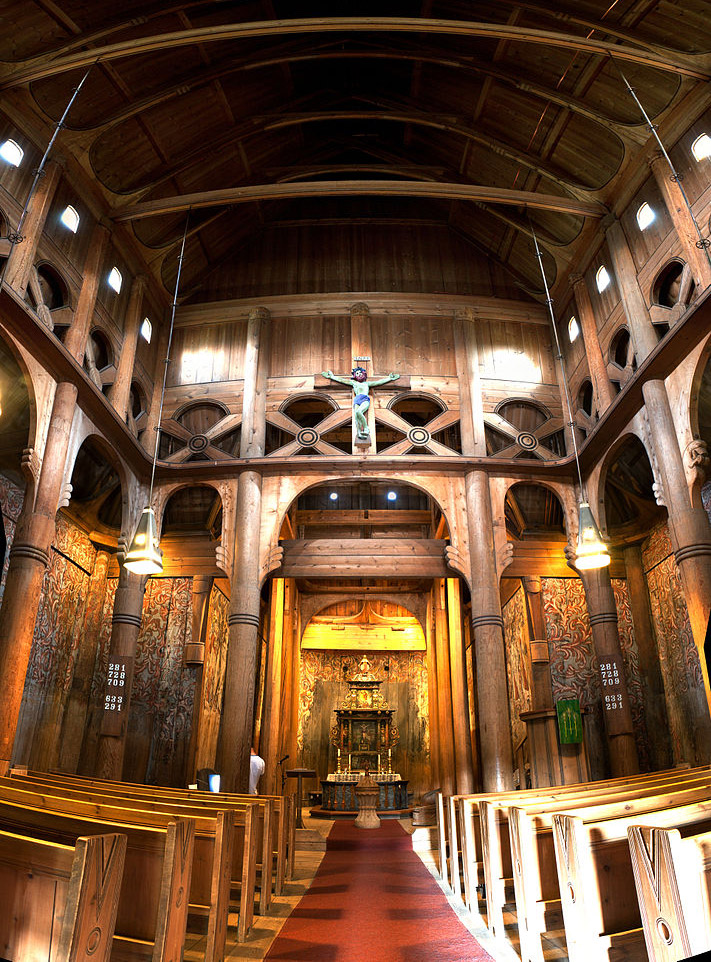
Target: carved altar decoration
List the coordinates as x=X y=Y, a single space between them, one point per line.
x=364 y=737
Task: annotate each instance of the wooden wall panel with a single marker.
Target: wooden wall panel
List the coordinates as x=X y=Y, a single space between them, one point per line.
x=512 y=351
x=380 y=256
x=412 y=345
x=213 y=352
x=309 y=345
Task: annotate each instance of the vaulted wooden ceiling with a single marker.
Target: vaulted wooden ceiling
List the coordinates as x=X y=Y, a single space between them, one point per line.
x=484 y=119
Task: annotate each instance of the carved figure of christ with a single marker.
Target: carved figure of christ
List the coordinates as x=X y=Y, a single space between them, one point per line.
x=361 y=387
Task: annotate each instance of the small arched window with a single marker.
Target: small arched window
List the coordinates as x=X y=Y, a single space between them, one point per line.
x=70 y=218
x=146 y=330
x=602 y=279
x=573 y=329
x=645 y=216
x=12 y=153
x=115 y=279
x=701 y=147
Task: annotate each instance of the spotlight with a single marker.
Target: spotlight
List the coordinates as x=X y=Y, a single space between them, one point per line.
x=333 y=495
x=392 y=496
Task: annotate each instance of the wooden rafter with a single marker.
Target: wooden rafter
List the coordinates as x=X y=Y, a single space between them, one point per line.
x=51 y=65
x=359 y=188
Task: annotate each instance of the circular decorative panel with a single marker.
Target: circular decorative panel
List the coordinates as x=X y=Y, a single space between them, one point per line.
x=198 y=442
x=307 y=437
x=419 y=436
x=527 y=441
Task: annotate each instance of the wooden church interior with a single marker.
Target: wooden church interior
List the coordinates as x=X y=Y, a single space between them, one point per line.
x=504 y=206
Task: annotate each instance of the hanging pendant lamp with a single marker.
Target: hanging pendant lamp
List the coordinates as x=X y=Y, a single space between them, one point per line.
x=591 y=551
x=144 y=556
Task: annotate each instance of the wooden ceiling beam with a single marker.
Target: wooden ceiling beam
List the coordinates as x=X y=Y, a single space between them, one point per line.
x=230 y=196
x=396 y=113
x=51 y=64
x=290 y=55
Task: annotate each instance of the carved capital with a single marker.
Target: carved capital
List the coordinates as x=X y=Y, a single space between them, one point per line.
x=66 y=496
x=259 y=314
x=30 y=465
x=576 y=278
x=360 y=308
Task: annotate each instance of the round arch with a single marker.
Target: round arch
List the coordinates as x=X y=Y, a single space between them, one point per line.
x=597 y=487
x=448 y=497
x=16 y=354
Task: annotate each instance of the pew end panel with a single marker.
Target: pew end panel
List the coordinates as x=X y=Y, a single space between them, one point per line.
x=59 y=902
x=672 y=878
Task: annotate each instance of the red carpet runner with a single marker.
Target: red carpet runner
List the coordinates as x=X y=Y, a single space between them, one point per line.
x=372 y=900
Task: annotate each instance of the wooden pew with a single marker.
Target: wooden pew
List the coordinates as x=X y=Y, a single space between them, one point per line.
x=224 y=848
x=543 y=857
x=672 y=875
x=280 y=833
x=152 y=910
x=183 y=805
x=59 y=902
x=469 y=820
x=452 y=810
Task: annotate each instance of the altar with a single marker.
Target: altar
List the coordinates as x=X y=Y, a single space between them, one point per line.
x=364 y=738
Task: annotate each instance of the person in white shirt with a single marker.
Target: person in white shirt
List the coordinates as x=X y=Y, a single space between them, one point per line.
x=256 y=770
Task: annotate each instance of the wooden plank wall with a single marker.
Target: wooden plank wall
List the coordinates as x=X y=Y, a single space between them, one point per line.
x=359 y=257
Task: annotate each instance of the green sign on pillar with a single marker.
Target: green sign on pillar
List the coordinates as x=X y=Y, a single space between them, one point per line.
x=570 y=721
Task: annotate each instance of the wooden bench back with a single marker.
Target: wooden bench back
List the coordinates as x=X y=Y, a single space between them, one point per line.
x=59 y=902
x=281 y=833
x=596 y=874
x=157 y=862
x=517 y=842
x=459 y=828
x=672 y=875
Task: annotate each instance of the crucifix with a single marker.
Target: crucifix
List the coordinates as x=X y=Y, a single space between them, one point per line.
x=361 y=386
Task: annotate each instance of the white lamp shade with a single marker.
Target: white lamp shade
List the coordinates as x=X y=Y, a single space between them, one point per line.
x=144 y=556
x=591 y=552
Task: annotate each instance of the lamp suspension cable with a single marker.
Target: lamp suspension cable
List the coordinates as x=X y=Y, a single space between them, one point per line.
x=144 y=556
x=16 y=236
x=591 y=551
x=703 y=243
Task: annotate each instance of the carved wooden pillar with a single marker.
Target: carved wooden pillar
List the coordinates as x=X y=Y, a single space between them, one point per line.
x=460 y=700
x=616 y=710
x=433 y=696
x=542 y=689
x=273 y=706
x=682 y=220
x=254 y=398
x=689 y=526
x=29 y=555
x=488 y=626
x=148 y=438
x=195 y=656
x=240 y=674
x=125 y=627
x=444 y=689
x=644 y=337
x=487 y=623
x=649 y=667
x=121 y=388
x=22 y=255
x=78 y=701
x=602 y=386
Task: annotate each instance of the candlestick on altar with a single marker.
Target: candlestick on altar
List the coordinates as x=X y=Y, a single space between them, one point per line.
x=389 y=760
x=338 y=757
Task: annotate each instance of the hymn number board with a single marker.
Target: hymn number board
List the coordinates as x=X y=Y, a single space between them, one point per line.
x=115 y=700
x=610 y=681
